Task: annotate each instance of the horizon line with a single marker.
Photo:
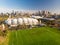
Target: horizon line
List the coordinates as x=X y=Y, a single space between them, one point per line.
x=5 y=10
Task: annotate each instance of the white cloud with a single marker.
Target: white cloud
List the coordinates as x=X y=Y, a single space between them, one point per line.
x=4 y=10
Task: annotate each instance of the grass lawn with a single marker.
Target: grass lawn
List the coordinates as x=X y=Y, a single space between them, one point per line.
x=35 y=36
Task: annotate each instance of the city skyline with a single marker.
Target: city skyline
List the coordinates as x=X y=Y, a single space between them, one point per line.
x=49 y=5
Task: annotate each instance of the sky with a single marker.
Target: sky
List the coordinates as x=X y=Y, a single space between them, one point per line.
x=50 y=5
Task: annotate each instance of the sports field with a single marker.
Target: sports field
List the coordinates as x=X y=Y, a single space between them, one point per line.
x=35 y=36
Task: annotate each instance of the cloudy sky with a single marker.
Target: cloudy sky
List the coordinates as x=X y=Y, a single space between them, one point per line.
x=51 y=5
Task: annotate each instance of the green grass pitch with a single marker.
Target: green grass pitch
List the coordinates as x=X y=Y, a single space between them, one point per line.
x=35 y=36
